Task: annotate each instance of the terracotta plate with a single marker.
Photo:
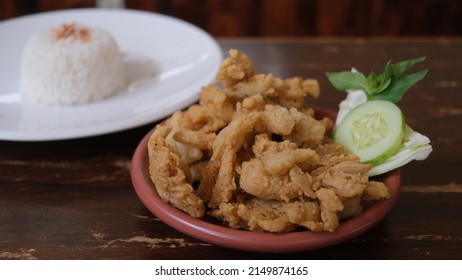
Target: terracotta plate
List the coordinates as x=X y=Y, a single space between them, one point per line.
x=217 y=234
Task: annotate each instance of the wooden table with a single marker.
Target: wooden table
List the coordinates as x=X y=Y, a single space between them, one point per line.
x=74 y=199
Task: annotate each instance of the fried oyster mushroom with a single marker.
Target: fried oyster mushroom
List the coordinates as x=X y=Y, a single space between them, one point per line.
x=250 y=153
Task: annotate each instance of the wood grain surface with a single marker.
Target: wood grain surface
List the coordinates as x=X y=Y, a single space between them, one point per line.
x=74 y=199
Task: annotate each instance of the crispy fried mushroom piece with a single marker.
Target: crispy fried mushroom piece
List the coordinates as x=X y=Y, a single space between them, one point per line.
x=268 y=215
x=234 y=134
x=168 y=175
x=346 y=178
x=330 y=205
x=237 y=67
x=225 y=183
x=351 y=207
x=257 y=84
x=307 y=130
x=208 y=173
x=256 y=181
x=277 y=119
x=375 y=190
x=292 y=91
x=280 y=157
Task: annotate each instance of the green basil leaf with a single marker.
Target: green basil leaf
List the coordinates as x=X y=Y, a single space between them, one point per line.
x=383 y=85
x=386 y=74
x=401 y=67
x=347 y=80
x=398 y=87
x=371 y=84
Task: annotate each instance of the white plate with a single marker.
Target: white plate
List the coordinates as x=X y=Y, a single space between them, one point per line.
x=169 y=60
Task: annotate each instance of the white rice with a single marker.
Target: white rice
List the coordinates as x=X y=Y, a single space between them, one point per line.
x=71 y=68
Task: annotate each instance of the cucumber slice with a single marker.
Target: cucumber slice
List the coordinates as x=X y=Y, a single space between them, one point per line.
x=373 y=131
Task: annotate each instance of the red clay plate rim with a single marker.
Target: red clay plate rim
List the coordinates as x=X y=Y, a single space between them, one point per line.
x=256 y=241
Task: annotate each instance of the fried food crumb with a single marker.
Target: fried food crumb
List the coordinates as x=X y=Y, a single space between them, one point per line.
x=72 y=30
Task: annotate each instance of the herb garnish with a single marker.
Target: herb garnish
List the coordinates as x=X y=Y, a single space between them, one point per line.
x=391 y=84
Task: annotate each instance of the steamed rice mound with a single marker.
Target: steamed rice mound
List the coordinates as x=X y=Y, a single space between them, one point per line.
x=71 y=65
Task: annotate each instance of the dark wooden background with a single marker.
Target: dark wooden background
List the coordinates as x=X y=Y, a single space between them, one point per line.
x=225 y=18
